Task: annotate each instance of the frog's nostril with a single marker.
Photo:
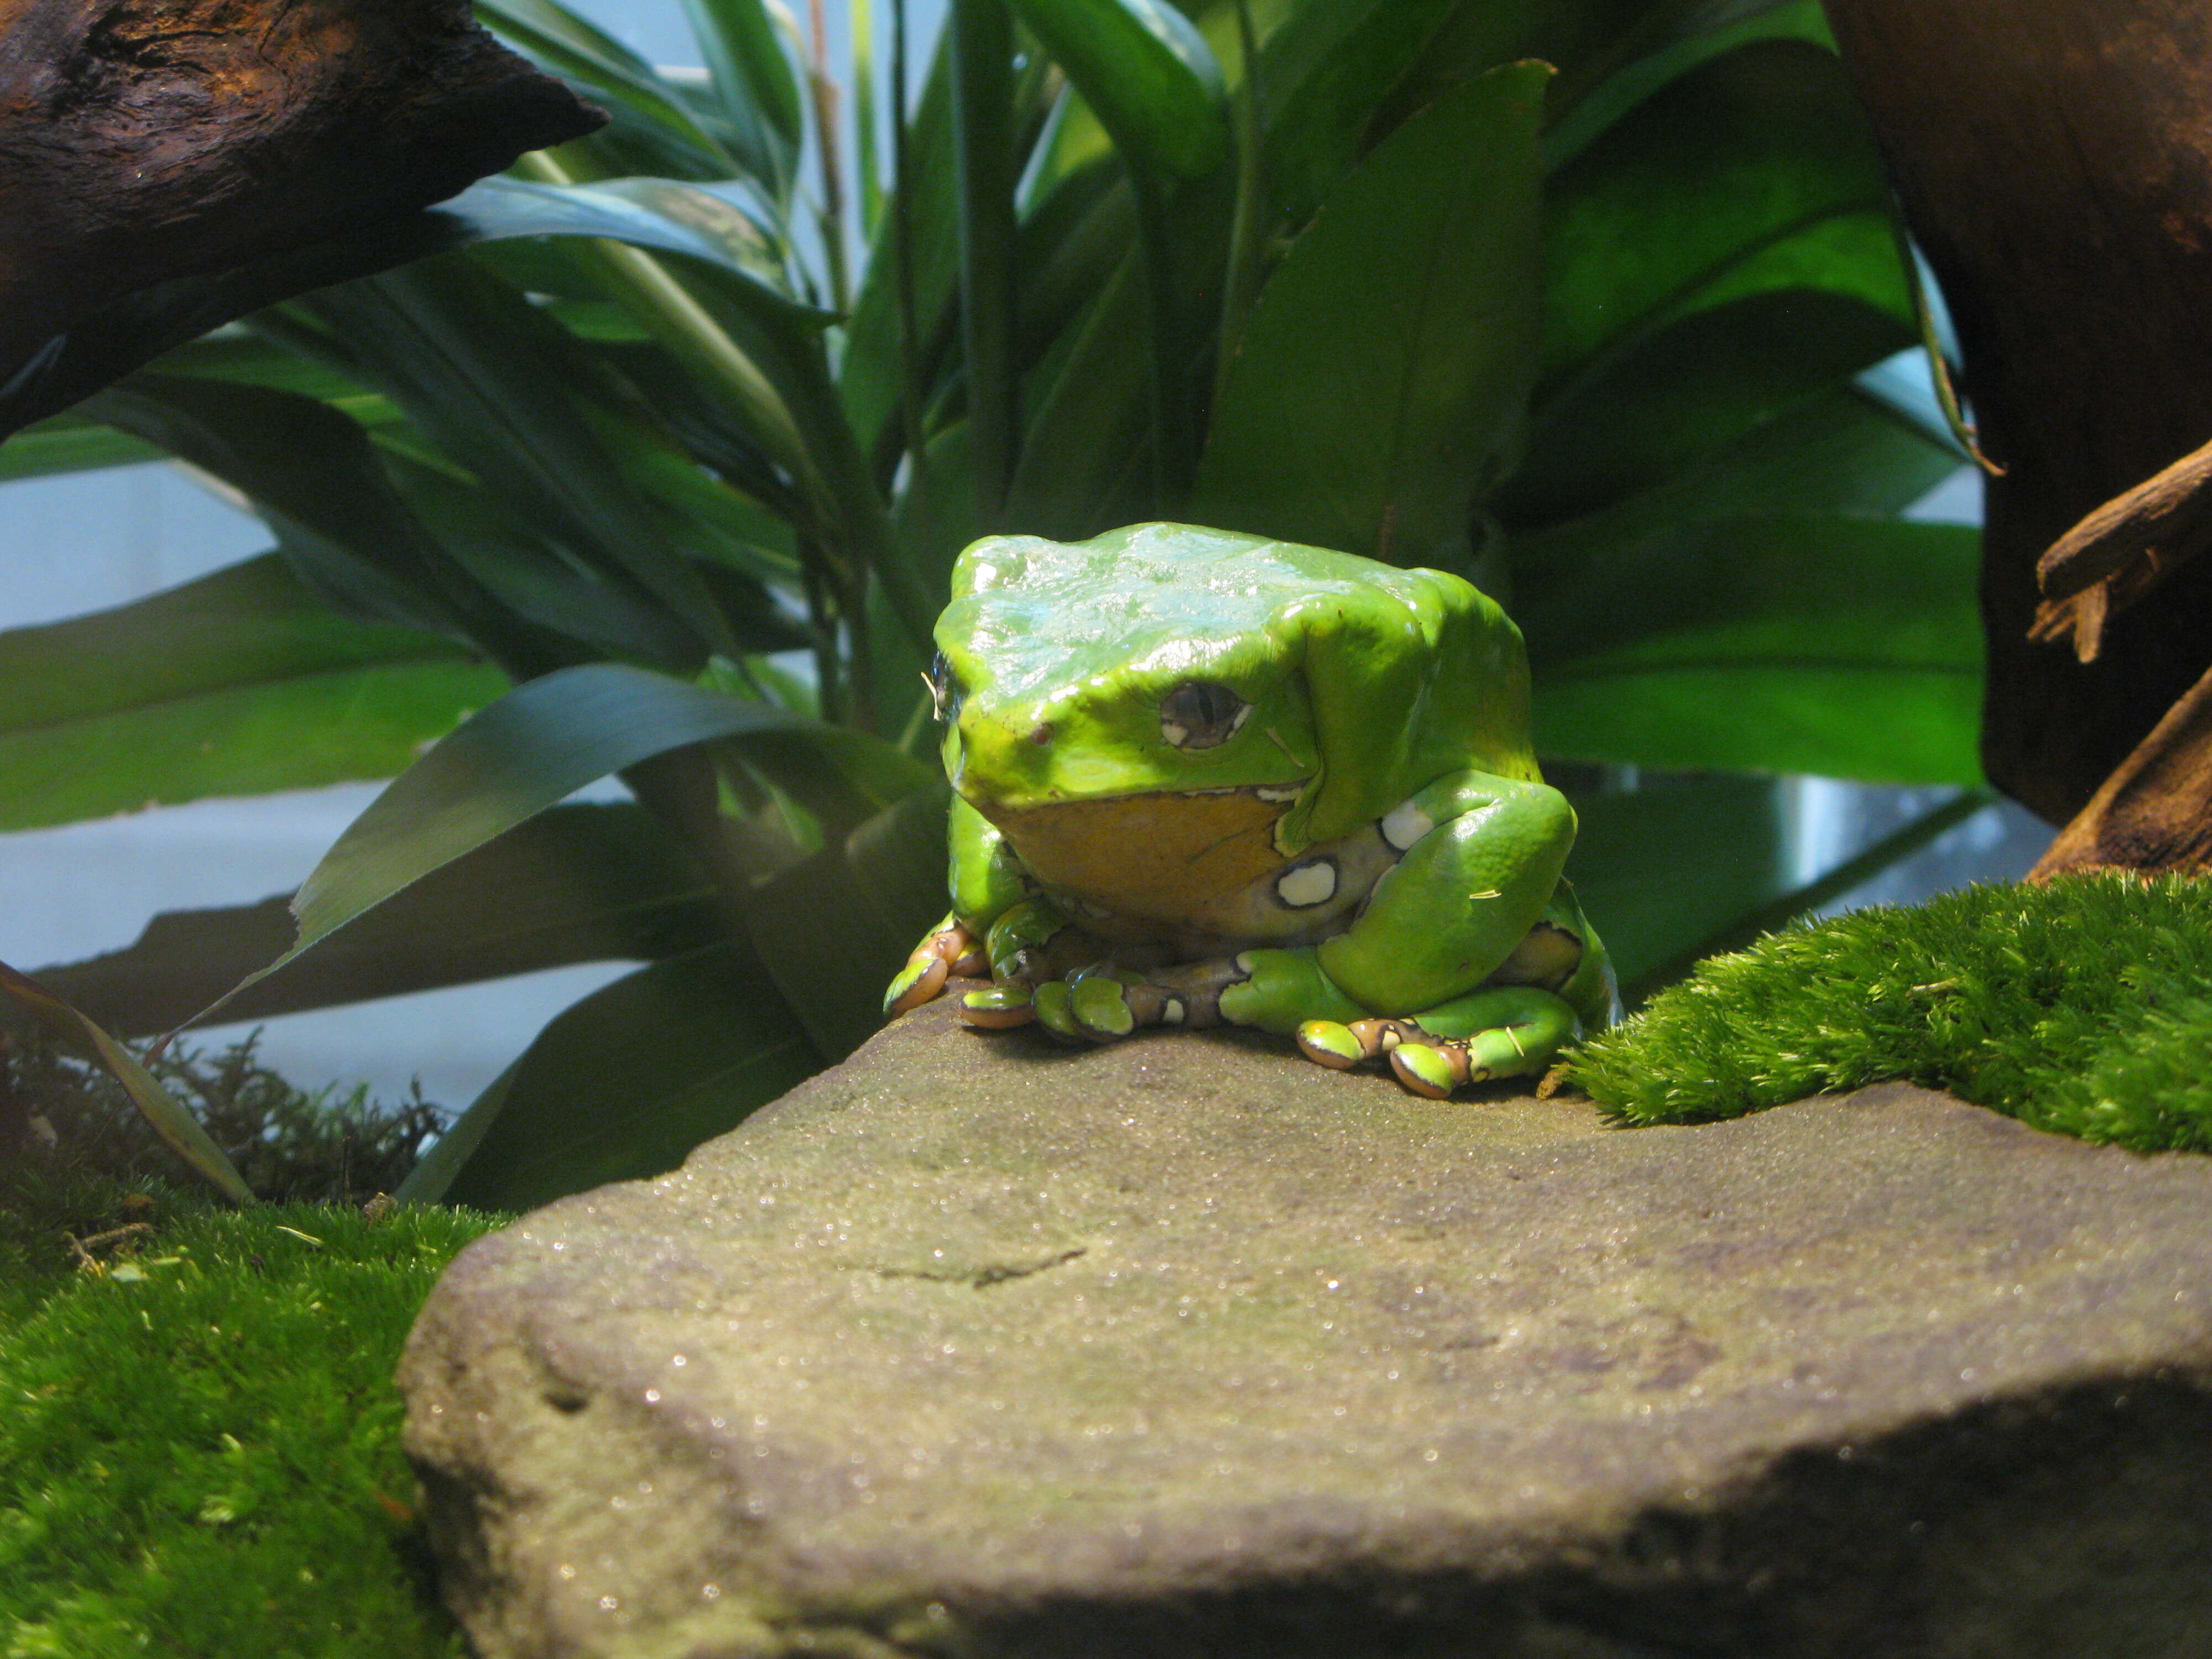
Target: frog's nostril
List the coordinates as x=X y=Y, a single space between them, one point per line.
x=1042 y=732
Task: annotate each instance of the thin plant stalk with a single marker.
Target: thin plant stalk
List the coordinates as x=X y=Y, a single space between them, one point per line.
x=909 y=347
x=865 y=167
x=983 y=39
x=824 y=91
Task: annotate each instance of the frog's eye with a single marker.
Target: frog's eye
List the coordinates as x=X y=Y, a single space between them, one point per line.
x=1200 y=714
x=945 y=692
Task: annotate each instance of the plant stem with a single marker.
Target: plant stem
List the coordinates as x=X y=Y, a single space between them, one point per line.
x=863 y=26
x=909 y=398
x=982 y=96
x=824 y=90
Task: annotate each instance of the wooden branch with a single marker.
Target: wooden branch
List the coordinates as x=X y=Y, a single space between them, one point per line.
x=2054 y=158
x=2121 y=551
x=144 y=140
x=2155 y=812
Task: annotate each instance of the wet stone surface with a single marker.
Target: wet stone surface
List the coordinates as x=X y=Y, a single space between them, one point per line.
x=1185 y=1347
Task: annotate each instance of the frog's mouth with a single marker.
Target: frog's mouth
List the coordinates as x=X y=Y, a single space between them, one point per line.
x=1164 y=855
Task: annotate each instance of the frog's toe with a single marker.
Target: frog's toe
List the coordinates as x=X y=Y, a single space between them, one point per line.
x=949 y=949
x=918 y=982
x=1100 y=1007
x=996 y=1007
x=1503 y=1051
x=1055 y=1006
x=1433 y=1070
x=1328 y=1043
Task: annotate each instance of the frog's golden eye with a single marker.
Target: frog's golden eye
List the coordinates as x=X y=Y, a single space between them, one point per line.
x=945 y=692
x=1200 y=714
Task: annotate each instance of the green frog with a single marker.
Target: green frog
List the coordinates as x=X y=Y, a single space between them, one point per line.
x=1203 y=778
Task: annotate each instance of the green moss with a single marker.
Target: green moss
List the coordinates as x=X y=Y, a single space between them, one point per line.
x=2084 y=1006
x=198 y=1450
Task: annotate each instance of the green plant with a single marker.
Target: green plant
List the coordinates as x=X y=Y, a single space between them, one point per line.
x=289 y=1145
x=2076 y=1006
x=1565 y=295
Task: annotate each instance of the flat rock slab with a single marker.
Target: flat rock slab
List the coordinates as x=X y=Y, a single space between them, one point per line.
x=1185 y=1347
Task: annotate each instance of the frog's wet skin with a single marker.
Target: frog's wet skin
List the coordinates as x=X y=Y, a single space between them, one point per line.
x=1204 y=777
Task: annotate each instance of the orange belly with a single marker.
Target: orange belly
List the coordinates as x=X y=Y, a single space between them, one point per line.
x=1169 y=859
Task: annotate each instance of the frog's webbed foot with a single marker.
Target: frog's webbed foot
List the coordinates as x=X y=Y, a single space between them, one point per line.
x=947 y=950
x=1101 y=1003
x=1504 y=1031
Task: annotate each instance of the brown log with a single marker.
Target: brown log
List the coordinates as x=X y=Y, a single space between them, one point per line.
x=2154 y=812
x=2054 y=158
x=142 y=140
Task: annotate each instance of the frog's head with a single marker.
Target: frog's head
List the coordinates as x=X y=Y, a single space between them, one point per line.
x=1165 y=660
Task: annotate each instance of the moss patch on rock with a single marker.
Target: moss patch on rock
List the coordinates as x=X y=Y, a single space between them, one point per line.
x=2083 y=1007
x=198 y=1453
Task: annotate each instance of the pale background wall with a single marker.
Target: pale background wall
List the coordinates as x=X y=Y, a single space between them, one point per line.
x=72 y=544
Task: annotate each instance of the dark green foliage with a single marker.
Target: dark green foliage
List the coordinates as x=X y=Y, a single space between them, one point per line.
x=290 y=1145
x=2084 y=1007
x=199 y=1453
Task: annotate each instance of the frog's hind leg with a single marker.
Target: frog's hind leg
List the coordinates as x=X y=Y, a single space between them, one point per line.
x=1501 y=1031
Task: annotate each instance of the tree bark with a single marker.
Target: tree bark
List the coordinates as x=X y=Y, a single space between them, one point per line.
x=144 y=140
x=2054 y=158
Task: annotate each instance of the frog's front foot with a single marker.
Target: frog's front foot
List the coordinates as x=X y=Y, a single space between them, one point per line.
x=1506 y=1031
x=947 y=950
x=1103 y=1003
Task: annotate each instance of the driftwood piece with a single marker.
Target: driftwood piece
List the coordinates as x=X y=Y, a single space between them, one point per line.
x=2121 y=551
x=145 y=140
x=2154 y=812
x=2054 y=158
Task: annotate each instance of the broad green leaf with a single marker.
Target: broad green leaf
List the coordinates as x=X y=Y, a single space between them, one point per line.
x=160 y=1108
x=623 y=1085
x=1840 y=452
x=1367 y=427
x=758 y=93
x=530 y=579
x=534 y=747
x=514 y=399
x=709 y=223
x=885 y=882
x=241 y=683
x=1146 y=72
x=69 y=443
x=1069 y=246
x=1083 y=464
x=1688 y=393
x=311 y=471
x=1745 y=153
x=1625 y=84
x=567 y=44
x=577 y=884
x=1327 y=72
x=1849 y=648
x=1670 y=861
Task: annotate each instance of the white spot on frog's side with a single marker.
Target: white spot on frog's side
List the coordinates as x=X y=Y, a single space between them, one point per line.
x=1171 y=1012
x=1308 y=884
x=1275 y=792
x=1405 y=823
